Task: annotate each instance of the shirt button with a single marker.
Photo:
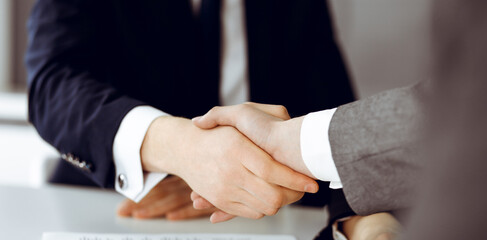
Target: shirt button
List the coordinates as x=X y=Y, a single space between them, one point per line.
x=122 y=181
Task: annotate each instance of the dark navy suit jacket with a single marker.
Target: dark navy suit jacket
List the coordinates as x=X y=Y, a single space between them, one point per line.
x=90 y=62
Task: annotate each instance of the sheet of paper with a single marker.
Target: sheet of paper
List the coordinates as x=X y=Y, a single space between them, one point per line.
x=168 y=236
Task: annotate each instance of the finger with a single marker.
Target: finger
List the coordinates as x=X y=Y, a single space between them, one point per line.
x=168 y=186
x=291 y=196
x=273 y=195
x=217 y=116
x=242 y=210
x=251 y=201
x=270 y=195
x=241 y=116
x=220 y=216
x=194 y=195
x=188 y=212
x=125 y=208
x=161 y=207
x=201 y=203
x=274 y=172
x=250 y=121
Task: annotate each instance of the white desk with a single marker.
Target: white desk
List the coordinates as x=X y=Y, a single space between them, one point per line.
x=27 y=212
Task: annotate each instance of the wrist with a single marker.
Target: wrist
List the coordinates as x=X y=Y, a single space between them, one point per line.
x=161 y=149
x=286 y=147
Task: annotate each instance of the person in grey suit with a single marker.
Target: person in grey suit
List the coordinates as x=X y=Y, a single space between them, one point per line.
x=379 y=145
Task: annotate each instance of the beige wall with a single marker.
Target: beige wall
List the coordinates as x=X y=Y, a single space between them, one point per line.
x=385 y=42
x=13 y=41
x=21 y=11
x=5 y=44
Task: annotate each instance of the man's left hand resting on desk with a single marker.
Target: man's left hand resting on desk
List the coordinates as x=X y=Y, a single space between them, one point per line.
x=170 y=198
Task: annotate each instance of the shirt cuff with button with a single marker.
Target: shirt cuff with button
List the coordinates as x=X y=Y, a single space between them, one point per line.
x=131 y=181
x=316 y=149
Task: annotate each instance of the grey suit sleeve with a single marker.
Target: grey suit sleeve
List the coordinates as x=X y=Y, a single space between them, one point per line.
x=373 y=146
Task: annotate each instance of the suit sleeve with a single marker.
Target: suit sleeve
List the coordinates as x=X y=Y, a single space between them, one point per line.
x=374 y=146
x=71 y=103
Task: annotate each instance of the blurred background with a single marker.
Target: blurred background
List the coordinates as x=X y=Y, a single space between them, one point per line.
x=384 y=42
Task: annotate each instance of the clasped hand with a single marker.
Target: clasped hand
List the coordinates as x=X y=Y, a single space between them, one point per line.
x=234 y=172
x=267 y=126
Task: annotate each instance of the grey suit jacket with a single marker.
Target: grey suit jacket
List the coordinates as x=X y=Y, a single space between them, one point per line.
x=373 y=144
x=373 y=140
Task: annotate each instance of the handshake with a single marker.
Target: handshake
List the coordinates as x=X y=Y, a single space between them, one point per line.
x=242 y=160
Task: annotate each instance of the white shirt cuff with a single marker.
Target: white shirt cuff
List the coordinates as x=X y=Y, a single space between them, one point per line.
x=316 y=149
x=130 y=180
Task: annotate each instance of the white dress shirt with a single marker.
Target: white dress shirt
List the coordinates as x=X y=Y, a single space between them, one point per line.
x=134 y=183
x=316 y=149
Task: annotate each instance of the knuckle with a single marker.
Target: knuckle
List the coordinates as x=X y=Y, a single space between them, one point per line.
x=220 y=203
x=272 y=211
x=243 y=107
x=213 y=110
x=276 y=201
x=297 y=196
x=257 y=216
x=263 y=172
x=242 y=180
x=282 y=110
x=249 y=104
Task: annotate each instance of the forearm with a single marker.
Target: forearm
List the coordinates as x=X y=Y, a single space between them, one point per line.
x=373 y=144
x=72 y=125
x=71 y=103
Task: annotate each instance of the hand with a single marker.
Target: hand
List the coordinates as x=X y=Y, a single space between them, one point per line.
x=280 y=138
x=223 y=166
x=271 y=111
x=169 y=198
x=202 y=204
x=379 y=226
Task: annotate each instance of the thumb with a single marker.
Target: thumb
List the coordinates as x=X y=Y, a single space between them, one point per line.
x=217 y=116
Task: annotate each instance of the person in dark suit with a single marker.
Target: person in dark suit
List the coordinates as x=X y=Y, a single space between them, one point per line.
x=99 y=70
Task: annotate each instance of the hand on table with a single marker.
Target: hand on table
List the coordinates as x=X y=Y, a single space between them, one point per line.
x=379 y=226
x=169 y=198
x=224 y=166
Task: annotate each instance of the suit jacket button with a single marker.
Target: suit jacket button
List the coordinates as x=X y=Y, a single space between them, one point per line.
x=82 y=164
x=122 y=181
